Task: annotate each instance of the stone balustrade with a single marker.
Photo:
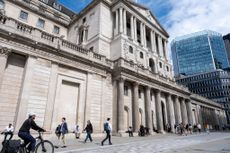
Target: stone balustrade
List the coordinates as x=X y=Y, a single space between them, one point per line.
x=16 y=27
x=148 y=73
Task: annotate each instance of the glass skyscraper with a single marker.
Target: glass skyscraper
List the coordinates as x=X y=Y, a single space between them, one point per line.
x=198 y=53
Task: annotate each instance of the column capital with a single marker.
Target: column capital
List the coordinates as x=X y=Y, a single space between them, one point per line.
x=121 y=79
x=136 y=83
x=168 y=94
x=147 y=87
x=4 y=51
x=157 y=90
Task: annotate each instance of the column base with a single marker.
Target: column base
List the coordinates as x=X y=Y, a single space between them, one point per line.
x=152 y=133
x=122 y=134
x=161 y=132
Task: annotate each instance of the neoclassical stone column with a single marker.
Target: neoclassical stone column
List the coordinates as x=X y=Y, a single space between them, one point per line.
x=199 y=115
x=117 y=21
x=166 y=51
x=160 y=46
x=121 y=19
x=153 y=41
x=121 y=105
x=125 y=22
x=148 y=109
x=159 y=116
x=177 y=110
x=135 y=107
x=135 y=28
x=170 y=107
x=184 y=111
x=4 y=53
x=132 y=26
x=189 y=109
x=142 y=34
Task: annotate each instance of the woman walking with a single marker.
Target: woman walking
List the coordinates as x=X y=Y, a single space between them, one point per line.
x=89 y=131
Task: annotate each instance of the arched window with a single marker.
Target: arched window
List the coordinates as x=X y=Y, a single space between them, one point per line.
x=152 y=65
x=167 y=68
x=131 y=49
x=141 y=55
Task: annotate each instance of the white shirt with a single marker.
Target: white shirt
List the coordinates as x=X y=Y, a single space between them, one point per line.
x=110 y=126
x=9 y=129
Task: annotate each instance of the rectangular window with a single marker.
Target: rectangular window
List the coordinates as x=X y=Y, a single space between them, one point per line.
x=40 y=23
x=23 y=15
x=56 y=30
x=126 y=90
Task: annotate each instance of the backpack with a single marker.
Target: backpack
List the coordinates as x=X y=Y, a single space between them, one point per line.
x=106 y=126
x=12 y=146
x=58 y=129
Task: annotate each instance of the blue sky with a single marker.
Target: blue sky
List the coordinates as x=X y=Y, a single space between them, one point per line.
x=181 y=18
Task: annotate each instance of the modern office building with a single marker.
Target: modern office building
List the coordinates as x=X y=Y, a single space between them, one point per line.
x=110 y=60
x=213 y=85
x=198 y=52
x=227 y=45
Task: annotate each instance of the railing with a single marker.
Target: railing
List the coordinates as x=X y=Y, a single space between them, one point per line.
x=72 y=46
x=24 y=28
x=146 y=72
x=14 y=26
x=47 y=36
x=97 y=56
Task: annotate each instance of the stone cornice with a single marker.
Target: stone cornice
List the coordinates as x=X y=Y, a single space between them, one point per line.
x=4 y=51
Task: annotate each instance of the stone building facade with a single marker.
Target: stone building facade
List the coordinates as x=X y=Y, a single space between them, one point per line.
x=110 y=60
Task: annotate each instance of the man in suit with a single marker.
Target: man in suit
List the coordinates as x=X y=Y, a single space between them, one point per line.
x=63 y=130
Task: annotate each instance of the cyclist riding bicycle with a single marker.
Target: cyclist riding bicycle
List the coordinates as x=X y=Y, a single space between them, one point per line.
x=24 y=132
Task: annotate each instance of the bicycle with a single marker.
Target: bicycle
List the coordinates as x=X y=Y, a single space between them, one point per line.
x=43 y=146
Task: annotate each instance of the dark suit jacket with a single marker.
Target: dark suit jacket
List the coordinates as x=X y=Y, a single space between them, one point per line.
x=64 y=128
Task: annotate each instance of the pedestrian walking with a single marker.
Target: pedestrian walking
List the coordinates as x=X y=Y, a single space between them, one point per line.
x=64 y=131
x=175 y=128
x=8 y=131
x=58 y=134
x=89 y=131
x=77 y=132
x=199 y=127
x=190 y=128
x=108 y=130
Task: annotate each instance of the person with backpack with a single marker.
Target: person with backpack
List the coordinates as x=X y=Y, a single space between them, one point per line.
x=58 y=134
x=89 y=131
x=108 y=130
x=24 y=132
x=8 y=131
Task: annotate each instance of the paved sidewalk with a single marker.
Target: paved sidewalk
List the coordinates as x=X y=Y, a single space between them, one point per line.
x=152 y=144
x=166 y=143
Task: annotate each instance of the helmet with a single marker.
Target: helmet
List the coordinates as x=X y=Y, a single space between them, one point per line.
x=32 y=114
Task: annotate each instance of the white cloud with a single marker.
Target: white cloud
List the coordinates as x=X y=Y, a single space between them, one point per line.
x=188 y=16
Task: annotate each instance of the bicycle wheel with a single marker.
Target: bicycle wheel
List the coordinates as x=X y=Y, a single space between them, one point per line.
x=44 y=147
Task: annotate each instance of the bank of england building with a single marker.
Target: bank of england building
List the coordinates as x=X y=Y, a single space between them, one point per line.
x=109 y=60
